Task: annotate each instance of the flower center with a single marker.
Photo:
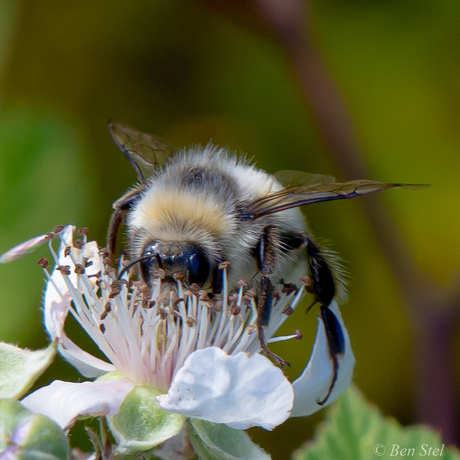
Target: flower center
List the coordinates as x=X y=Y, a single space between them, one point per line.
x=148 y=333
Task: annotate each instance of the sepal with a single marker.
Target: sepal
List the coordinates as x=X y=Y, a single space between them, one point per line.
x=19 y=368
x=141 y=424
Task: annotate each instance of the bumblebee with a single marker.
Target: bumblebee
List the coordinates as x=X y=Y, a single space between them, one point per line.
x=202 y=206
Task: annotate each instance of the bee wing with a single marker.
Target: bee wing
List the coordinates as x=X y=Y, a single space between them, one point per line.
x=291 y=178
x=293 y=197
x=143 y=151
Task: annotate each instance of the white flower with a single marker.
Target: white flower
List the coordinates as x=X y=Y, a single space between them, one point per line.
x=201 y=355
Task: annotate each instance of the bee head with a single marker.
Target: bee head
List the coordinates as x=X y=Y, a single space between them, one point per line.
x=182 y=258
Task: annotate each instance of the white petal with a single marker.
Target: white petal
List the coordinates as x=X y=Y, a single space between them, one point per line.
x=240 y=391
x=86 y=364
x=56 y=300
x=55 y=305
x=57 y=293
x=55 y=313
x=313 y=384
x=27 y=247
x=63 y=402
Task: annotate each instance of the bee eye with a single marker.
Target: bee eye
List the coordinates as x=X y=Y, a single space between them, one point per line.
x=147 y=264
x=198 y=265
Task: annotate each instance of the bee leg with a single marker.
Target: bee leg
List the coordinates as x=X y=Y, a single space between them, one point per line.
x=266 y=258
x=121 y=208
x=217 y=282
x=116 y=219
x=324 y=289
x=323 y=283
x=263 y=307
x=336 y=344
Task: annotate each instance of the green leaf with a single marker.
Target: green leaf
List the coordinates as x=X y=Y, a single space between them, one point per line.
x=30 y=436
x=213 y=441
x=19 y=368
x=141 y=424
x=357 y=430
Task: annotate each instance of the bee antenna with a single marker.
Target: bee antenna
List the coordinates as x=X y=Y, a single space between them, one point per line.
x=131 y=264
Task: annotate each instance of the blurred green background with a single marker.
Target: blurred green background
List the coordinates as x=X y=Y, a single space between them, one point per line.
x=183 y=71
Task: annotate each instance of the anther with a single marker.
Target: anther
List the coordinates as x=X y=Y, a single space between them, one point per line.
x=83 y=231
x=305 y=281
x=102 y=284
x=203 y=295
x=102 y=328
x=250 y=293
x=190 y=322
x=79 y=269
x=58 y=229
x=108 y=261
x=115 y=289
x=224 y=265
x=178 y=276
x=178 y=300
x=110 y=271
x=95 y=275
x=288 y=310
x=150 y=304
x=298 y=335
x=107 y=310
x=235 y=310
x=64 y=269
x=88 y=263
x=78 y=244
x=67 y=251
x=43 y=262
x=217 y=305
x=195 y=288
x=232 y=298
x=289 y=288
x=144 y=289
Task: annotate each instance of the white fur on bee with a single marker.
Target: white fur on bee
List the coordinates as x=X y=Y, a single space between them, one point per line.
x=174 y=210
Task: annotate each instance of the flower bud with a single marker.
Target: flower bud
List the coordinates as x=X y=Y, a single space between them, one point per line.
x=24 y=435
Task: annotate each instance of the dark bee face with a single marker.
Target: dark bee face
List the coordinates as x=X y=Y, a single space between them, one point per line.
x=175 y=258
